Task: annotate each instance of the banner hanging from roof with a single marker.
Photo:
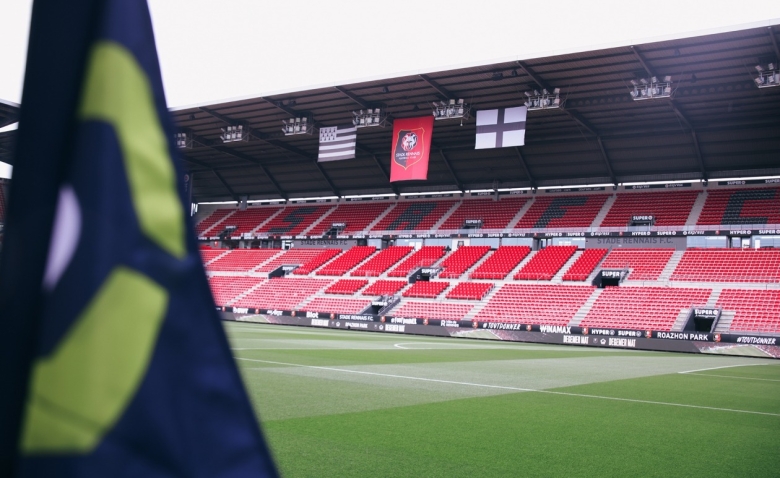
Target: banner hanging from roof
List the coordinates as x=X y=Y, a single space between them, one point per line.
x=411 y=148
x=501 y=128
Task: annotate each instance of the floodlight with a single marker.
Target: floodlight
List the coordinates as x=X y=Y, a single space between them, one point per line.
x=451 y=109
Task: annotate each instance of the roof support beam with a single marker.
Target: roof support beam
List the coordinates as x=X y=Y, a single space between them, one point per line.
x=224 y=183
x=774 y=42
x=352 y=97
x=642 y=61
x=606 y=160
x=452 y=171
x=442 y=91
x=524 y=165
x=327 y=179
x=393 y=187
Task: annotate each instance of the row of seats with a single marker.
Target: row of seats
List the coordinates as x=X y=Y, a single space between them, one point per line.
x=295 y=256
x=729 y=265
x=493 y=214
x=546 y=263
x=247 y=220
x=535 y=304
x=414 y=216
x=562 y=211
x=346 y=261
x=226 y=289
x=202 y=228
x=462 y=260
x=382 y=261
x=429 y=310
x=501 y=262
x=584 y=266
x=385 y=287
x=669 y=208
x=346 y=286
x=756 y=310
x=644 y=264
x=470 y=290
x=741 y=206
x=426 y=289
x=356 y=216
x=426 y=256
x=337 y=306
x=242 y=260
x=282 y=293
x=316 y=261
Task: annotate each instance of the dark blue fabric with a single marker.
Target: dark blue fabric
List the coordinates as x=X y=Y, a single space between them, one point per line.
x=191 y=415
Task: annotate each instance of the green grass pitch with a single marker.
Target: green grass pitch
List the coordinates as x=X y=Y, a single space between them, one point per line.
x=339 y=403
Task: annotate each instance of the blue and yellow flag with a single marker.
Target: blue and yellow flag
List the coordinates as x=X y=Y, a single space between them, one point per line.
x=113 y=361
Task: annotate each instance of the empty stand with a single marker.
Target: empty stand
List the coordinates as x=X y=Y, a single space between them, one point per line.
x=741 y=206
x=470 y=290
x=282 y=293
x=385 y=287
x=584 y=265
x=501 y=262
x=346 y=261
x=346 y=286
x=247 y=220
x=414 y=216
x=242 y=260
x=461 y=260
x=427 y=310
x=211 y=254
x=357 y=216
x=668 y=208
x=209 y=221
x=426 y=289
x=316 y=261
x=645 y=264
x=226 y=288
x=562 y=211
x=294 y=256
x=729 y=265
x=293 y=220
x=493 y=214
x=546 y=263
x=424 y=257
x=755 y=310
x=382 y=261
x=535 y=304
x=653 y=308
x=337 y=306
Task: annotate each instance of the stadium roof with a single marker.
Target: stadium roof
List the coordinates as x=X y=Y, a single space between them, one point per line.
x=717 y=124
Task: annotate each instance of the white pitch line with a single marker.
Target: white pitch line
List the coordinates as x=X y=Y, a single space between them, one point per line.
x=725 y=366
x=517 y=389
x=733 y=376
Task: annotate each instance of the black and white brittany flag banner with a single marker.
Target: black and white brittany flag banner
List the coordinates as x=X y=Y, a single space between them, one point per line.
x=337 y=143
x=501 y=128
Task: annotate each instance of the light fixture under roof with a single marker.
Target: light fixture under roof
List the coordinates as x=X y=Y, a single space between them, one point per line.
x=767 y=77
x=451 y=109
x=299 y=125
x=183 y=140
x=369 y=117
x=543 y=101
x=234 y=133
x=652 y=88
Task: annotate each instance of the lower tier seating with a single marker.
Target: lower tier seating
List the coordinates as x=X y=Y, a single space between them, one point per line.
x=208 y=255
x=645 y=264
x=729 y=265
x=424 y=257
x=430 y=310
x=226 y=288
x=385 y=287
x=653 y=308
x=282 y=293
x=337 y=306
x=535 y=304
x=755 y=310
x=312 y=264
x=345 y=262
x=501 y=262
x=461 y=260
x=382 y=261
x=470 y=290
x=346 y=286
x=546 y=263
x=291 y=257
x=584 y=265
x=426 y=289
x=242 y=260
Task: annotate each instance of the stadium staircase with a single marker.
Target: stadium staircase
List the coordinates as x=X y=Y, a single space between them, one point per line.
x=604 y=210
x=698 y=206
x=378 y=219
x=245 y=293
x=317 y=221
x=585 y=309
x=481 y=305
x=724 y=323
x=216 y=258
x=445 y=216
x=668 y=270
x=681 y=320
x=558 y=277
x=520 y=213
x=269 y=219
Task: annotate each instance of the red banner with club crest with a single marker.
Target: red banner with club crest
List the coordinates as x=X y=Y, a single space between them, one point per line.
x=411 y=148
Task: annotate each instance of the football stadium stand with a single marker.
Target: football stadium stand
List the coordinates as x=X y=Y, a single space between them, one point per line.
x=501 y=262
x=293 y=220
x=531 y=303
x=209 y=221
x=226 y=289
x=729 y=265
x=644 y=264
x=316 y=261
x=667 y=208
x=462 y=260
x=385 y=287
x=426 y=289
x=584 y=266
x=424 y=257
x=546 y=263
x=562 y=212
x=338 y=306
x=355 y=217
x=470 y=290
x=432 y=310
x=242 y=260
x=296 y=257
x=346 y=261
x=245 y=221
x=741 y=206
x=493 y=214
x=414 y=216
x=285 y=294
x=346 y=286
x=382 y=261
x=755 y=310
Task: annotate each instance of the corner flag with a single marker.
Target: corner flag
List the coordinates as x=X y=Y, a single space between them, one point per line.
x=113 y=361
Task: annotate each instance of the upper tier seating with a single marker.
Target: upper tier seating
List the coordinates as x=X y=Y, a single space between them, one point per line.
x=292 y=257
x=346 y=261
x=756 y=310
x=385 y=287
x=470 y=290
x=293 y=220
x=246 y=220
x=562 y=212
x=729 y=265
x=668 y=208
x=357 y=216
x=494 y=214
x=461 y=260
x=207 y=222
x=426 y=289
x=423 y=257
x=645 y=264
x=501 y=262
x=741 y=206
x=414 y=216
x=427 y=310
x=242 y=260
x=653 y=308
x=316 y=261
x=585 y=264
x=535 y=304
x=282 y=293
x=337 y=306
x=346 y=286
x=382 y=261
x=546 y=263
x=226 y=288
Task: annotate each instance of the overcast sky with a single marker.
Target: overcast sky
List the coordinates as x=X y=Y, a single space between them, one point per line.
x=215 y=50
